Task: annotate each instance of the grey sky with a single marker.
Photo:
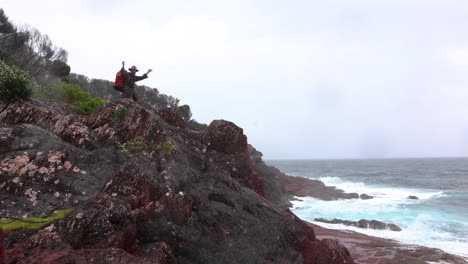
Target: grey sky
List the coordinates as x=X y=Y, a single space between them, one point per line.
x=305 y=79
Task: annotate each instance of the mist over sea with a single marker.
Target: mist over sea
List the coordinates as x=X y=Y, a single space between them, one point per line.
x=439 y=218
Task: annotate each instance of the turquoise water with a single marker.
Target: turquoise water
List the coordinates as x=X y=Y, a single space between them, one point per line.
x=439 y=218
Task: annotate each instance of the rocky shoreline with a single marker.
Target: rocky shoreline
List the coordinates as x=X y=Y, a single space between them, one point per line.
x=148 y=187
x=363 y=248
x=373 y=250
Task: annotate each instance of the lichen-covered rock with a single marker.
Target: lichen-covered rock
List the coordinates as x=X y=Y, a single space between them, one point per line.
x=176 y=195
x=50 y=116
x=225 y=137
x=114 y=124
x=172 y=117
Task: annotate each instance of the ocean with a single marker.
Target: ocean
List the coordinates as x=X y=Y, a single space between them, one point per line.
x=438 y=219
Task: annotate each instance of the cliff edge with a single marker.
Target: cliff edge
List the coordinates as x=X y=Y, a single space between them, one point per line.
x=143 y=186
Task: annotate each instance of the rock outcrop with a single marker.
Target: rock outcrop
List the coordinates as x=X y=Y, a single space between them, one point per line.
x=363 y=223
x=364 y=196
x=145 y=187
x=300 y=186
x=373 y=250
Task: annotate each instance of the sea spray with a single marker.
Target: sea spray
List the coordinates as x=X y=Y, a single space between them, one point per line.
x=436 y=217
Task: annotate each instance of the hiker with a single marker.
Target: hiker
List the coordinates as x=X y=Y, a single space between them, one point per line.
x=126 y=85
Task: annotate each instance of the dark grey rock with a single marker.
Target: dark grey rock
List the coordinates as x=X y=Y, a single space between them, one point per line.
x=364 y=196
x=363 y=223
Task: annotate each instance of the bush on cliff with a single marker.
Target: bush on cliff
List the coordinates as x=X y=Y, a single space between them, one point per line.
x=82 y=102
x=138 y=145
x=15 y=84
x=119 y=114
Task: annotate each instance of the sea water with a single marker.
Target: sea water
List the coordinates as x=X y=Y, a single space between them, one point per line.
x=438 y=219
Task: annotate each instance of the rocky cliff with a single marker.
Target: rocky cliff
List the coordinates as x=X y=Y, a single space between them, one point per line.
x=144 y=187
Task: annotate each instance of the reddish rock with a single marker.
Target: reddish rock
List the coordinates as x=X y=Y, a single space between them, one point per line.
x=132 y=183
x=326 y=251
x=172 y=117
x=372 y=250
x=195 y=205
x=225 y=137
x=135 y=122
x=178 y=207
x=299 y=186
x=51 y=116
x=85 y=256
x=2 y=237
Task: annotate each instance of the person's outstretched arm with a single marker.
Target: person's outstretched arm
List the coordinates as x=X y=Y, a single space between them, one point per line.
x=144 y=76
x=123 y=71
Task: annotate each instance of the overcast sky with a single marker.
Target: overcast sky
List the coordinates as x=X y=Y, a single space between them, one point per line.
x=304 y=79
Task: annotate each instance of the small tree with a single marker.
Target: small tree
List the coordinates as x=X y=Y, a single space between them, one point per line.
x=185 y=112
x=32 y=51
x=5 y=25
x=59 y=68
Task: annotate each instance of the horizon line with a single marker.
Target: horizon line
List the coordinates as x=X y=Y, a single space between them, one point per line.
x=381 y=158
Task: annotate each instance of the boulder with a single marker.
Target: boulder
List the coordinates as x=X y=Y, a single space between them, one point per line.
x=374 y=224
x=350 y=196
x=363 y=223
x=225 y=137
x=300 y=186
x=172 y=117
x=326 y=251
x=336 y=221
x=364 y=196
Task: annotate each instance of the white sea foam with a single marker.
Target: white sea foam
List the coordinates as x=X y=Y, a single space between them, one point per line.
x=380 y=191
x=438 y=219
x=420 y=226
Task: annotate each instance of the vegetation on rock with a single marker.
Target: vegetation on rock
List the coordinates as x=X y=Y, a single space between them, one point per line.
x=139 y=145
x=119 y=114
x=32 y=51
x=15 y=84
x=71 y=94
x=32 y=222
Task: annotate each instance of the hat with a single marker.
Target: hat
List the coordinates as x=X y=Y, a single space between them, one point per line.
x=133 y=68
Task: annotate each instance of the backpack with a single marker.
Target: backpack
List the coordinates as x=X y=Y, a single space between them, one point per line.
x=119 y=81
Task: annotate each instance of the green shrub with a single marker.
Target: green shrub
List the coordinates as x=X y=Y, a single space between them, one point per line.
x=139 y=145
x=15 y=84
x=119 y=114
x=50 y=91
x=166 y=148
x=87 y=107
x=81 y=101
x=136 y=145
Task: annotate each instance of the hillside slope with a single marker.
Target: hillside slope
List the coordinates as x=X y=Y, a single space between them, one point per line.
x=144 y=187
